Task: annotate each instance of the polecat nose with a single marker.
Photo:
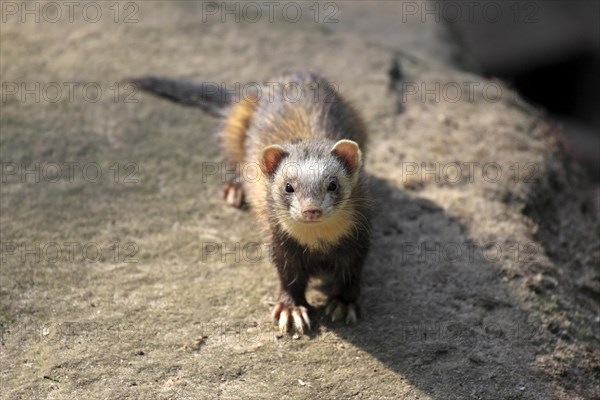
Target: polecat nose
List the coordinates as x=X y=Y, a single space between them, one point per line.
x=312 y=214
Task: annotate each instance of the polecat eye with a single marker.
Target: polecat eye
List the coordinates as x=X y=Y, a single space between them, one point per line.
x=332 y=186
x=289 y=188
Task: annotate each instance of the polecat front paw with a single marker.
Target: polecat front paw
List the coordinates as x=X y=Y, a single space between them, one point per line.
x=339 y=310
x=233 y=194
x=291 y=319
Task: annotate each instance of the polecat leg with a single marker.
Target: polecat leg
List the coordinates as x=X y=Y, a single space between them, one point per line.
x=340 y=310
x=233 y=193
x=342 y=304
x=292 y=309
x=291 y=319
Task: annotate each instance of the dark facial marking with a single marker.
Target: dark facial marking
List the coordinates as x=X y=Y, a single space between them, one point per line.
x=333 y=185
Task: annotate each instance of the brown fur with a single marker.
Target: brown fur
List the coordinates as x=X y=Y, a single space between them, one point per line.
x=233 y=137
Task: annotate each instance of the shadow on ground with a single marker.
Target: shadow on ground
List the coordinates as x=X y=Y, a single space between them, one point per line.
x=435 y=311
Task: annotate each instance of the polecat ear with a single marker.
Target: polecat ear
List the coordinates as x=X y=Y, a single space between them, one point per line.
x=349 y=152
x=271 y=157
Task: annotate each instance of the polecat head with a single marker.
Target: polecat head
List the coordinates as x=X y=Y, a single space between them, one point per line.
x=311 y=184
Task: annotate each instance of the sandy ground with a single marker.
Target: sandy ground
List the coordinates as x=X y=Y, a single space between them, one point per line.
x=140 y=283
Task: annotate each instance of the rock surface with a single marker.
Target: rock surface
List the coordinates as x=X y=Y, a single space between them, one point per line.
x=482 y=281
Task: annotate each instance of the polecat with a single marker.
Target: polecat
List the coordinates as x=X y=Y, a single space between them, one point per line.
x=310 y=197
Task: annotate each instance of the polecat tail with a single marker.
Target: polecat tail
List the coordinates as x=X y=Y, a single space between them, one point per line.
x=207 y=95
